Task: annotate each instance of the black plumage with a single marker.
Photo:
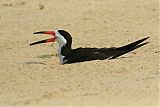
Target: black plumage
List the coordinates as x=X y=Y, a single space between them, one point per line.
x=89 y=54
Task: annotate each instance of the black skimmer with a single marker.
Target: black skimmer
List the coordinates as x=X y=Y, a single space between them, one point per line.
x=68 y=55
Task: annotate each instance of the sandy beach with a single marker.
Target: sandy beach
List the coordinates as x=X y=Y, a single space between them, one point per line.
x=32 y=76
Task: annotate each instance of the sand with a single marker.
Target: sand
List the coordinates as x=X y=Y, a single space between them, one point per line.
x=33 y=76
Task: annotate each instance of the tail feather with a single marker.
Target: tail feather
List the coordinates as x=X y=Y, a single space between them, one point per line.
x=130 y=47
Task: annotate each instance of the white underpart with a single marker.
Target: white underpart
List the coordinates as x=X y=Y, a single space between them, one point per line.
x=61 y=42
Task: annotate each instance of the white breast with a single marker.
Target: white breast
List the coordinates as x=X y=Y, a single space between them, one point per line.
x=61 y=42
x=61 y=57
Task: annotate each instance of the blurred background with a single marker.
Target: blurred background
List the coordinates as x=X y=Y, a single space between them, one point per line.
x=32 y=76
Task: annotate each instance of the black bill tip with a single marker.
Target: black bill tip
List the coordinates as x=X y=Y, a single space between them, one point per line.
x=41 y=32
x=39 y=42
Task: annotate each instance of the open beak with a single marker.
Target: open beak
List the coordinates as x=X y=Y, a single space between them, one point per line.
x=46 y=40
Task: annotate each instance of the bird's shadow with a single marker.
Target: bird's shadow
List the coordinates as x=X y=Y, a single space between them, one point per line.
x=89 y=54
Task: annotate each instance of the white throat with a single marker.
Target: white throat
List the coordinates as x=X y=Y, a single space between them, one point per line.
x=60 y=39
x=61 y=42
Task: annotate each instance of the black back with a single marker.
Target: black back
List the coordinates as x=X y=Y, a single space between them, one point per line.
x=89 y=54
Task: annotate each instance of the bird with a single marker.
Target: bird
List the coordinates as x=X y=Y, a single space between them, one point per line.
x=67 y=55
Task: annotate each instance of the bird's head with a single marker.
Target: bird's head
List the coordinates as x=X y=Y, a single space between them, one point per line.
x=60 y=36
